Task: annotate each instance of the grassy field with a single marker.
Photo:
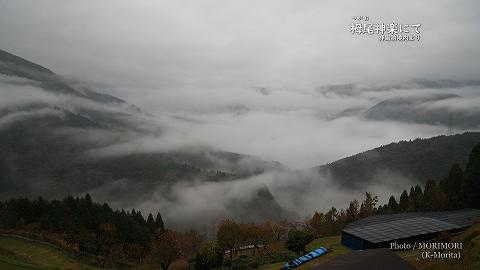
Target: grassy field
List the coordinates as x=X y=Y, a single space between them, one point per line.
x=332 y=243
x=19 y=253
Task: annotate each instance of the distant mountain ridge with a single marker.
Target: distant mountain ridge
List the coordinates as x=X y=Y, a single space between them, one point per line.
x=45 y=146
x=424 y=110
x=45 y=150
x=418 y=160
x=12 y=65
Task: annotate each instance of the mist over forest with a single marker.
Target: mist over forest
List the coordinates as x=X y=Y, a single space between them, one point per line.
x=201 y=114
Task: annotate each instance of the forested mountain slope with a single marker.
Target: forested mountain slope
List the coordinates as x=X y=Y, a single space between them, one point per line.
x=419 y=160
x=59 y=137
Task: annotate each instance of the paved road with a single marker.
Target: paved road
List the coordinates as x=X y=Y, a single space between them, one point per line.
x=372 y=259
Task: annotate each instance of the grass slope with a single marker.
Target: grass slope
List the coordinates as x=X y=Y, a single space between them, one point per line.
x=21 y=253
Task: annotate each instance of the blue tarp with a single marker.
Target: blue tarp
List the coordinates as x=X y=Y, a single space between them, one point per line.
x=305 y=258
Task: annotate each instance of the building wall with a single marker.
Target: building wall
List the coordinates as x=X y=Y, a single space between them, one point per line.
x=352 y=241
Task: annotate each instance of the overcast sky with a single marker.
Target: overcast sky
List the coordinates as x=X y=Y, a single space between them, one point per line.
x=168 y=44
x=206 y=61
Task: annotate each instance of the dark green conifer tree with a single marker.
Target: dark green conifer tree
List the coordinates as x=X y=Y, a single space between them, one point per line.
x=392 y=205
x=404 y=202
x=159 y=222
x=453 y=187
x=418 y=198
x=472 y=173
x=151 y=223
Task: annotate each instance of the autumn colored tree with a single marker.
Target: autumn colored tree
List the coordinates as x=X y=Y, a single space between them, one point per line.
x=189 y=242
x=368 y=206
x=209 y=256
x=352 y=211
x=135 y=252
x=108 y=243
x=252 y=234
x=331 y=227
x=298 y=240
x=341 y=220
x=267 y=232
x=229 y=236
x=316 y=224
x=165 y=248
x=279 y=230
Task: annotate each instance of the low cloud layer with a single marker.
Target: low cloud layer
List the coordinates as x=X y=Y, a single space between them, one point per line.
x=302 y=128
x=200 y=204
x=256 y=78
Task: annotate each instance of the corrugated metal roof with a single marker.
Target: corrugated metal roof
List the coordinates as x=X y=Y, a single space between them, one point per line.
x=381 y=228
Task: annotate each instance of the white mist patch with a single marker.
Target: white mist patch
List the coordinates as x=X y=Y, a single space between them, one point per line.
x=20 y=116
x=200 y=204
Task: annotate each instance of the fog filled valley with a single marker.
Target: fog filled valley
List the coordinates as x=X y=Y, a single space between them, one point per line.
x=243 y=159
x=181 y=135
